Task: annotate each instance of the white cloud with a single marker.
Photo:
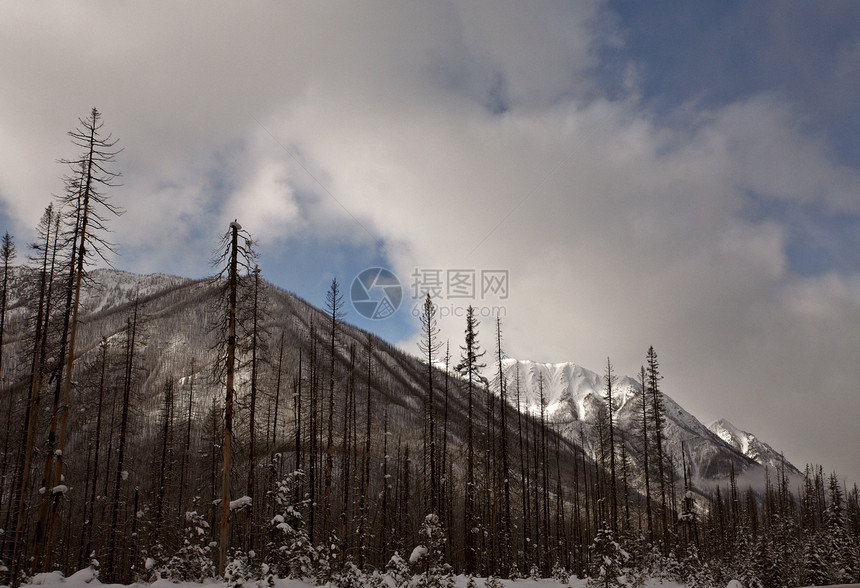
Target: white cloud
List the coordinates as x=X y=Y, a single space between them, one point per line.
x=619 y=231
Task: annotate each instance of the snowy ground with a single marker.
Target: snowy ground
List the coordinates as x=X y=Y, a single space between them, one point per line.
x=87 y=579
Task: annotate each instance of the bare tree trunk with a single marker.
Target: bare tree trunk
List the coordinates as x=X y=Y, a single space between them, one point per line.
x=524 y=480
x=134 y=551
x=577 y=520
x=544 y=479
x=112 y=556
x=560 y=525
x=645 y=456
x=470 y=368
x=41 y=538
x=217 y=435
x=272 y=446
x=333 y=300
x=365 y=474
x=429 y=346
x=507 y=548
x=587 y=507
x=166 y=453
x=345 y=462
x=312 y=457
x=657 y=400
x=386 y=486
x=489 y=534
x=625 y=475
x=7 y=252
x=88 y=524
x=610 y=404
x=445 y=484
x=298 y=426
x=21 y=499
x=183 y=478
x=227 y=447
x=252 y=412
x=405 y=488
x=93 y=172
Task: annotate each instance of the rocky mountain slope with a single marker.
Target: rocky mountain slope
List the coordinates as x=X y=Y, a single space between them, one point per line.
x=574 y=395
x=751 y=446
x=176 y=318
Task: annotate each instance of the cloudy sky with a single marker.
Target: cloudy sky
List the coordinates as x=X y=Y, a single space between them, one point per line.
x=677 y=174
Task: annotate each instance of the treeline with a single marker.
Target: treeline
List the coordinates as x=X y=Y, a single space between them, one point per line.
x=807 y=536
x=224 y=427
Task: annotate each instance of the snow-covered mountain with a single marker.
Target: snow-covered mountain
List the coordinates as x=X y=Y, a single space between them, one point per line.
x=751 y=446
x=110 y=288
x=574 y=396
x=176 y=314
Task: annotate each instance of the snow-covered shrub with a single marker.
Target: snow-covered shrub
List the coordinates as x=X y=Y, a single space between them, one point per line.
x=607 y=560
x=694 y=572
x=742 y=564
x=290 y=553
x=324 y=555
x=669 y=568
x=396 y=572
x=767 y=564
x=814 y=559
x=427 y=559
x=657 y=565
x=560 y=573
x=637 y=549
x=242 y=569
x=349 y=576
x=493 y=582
x=193 y=560
x=378 y=579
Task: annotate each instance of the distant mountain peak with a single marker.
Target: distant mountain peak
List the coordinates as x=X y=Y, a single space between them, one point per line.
x=574 y=395
x=749 y=445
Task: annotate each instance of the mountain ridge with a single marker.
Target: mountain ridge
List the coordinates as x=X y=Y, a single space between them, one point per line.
x=575 y=394
x=751 y=446
x=177 y=309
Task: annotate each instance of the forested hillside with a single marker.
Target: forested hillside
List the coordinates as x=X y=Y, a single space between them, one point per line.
x=145 y=381
x=155 y=425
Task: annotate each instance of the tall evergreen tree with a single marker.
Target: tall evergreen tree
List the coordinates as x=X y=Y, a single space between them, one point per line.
x=658 y=416
x=334 y=310
x=610 y=380
x=507 y=548
x=544 y=475
x=429 y=346
x=645 y=431
x=524 y=474
x=470 y=369
x=836 y=544
x=364 y=522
